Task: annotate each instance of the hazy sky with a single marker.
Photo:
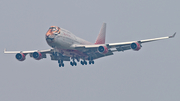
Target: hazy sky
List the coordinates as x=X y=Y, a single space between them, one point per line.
x=151 y=74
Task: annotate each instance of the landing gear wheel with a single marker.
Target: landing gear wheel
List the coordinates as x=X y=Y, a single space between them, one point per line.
x=62 y=64
x=85 y=62
x=75 y=63
x=92 y=62
x=71 y=63
x=89 y=62
x=82 y=62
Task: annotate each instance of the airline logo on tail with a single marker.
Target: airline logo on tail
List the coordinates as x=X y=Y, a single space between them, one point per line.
x=102 y=35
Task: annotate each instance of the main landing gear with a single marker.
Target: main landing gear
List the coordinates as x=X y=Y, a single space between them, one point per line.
x=91 y=62
x=61 y=63
x=73 y=63
x=83 y=62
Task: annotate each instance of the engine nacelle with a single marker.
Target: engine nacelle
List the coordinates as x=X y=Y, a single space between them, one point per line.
x=135 y=46
x=20 y=56
x=37 y=55
x=102 y=49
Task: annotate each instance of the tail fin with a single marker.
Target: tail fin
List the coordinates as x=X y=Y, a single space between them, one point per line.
x=102 y=35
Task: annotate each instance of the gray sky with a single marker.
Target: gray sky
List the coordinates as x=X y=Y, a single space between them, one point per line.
x=151 y=74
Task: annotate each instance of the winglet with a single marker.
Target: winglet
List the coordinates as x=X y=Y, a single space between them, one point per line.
x=172 y=35
x=5 y=50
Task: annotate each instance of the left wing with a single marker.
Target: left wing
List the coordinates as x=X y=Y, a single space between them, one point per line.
x=140 y=41
x=135 y=45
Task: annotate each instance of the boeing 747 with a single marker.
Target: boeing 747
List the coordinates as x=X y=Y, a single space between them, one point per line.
x=65 y=46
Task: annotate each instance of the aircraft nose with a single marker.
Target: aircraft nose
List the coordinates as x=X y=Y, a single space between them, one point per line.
x=49 y=36
x=49 y=33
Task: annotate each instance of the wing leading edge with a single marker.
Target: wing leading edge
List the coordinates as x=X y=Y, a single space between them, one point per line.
x=27 y=52
x=121 y=44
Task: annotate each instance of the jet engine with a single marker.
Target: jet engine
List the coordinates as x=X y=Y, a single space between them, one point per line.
x=102 y=49
x=135 y=46
x=37 y=55
x=20 y=56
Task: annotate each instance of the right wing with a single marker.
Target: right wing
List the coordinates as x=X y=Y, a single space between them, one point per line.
x=38 y=54
x=27 y=52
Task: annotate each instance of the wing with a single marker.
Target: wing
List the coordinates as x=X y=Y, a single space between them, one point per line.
x=38 y=54
x=122 y=46
x=114 y=45
x=27 y=52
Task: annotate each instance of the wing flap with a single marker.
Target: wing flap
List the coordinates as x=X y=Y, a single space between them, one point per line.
x=98 y=55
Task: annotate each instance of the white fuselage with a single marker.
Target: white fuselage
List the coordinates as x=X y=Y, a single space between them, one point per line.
x=66 y=39
x=63 y=42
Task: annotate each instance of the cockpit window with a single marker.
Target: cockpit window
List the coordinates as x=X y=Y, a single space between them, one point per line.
x=55 y=30
x=52 y=28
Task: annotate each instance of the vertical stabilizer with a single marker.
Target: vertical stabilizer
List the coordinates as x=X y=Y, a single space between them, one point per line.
x=102 y=35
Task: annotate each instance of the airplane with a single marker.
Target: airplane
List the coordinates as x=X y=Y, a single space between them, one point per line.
x=68 y=47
